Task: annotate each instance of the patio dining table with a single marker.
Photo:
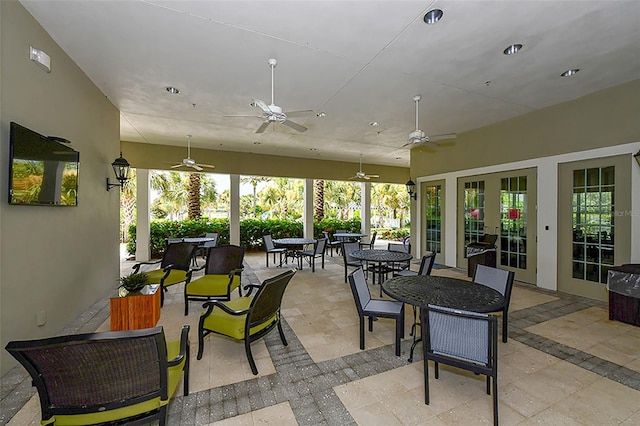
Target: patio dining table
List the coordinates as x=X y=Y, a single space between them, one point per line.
x=294 y=247
x=423 y=290
x=380 y=257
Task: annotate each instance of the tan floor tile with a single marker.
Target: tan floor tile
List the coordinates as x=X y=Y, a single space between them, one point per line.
x=280 y=414
x=520 y=400
x=556 y=382
x=552 y=417
x=28 y=415
x=375 y=414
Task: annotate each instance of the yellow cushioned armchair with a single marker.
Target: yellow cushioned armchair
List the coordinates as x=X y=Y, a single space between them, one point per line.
x=174 y=267
x=222 y=275
x=247 y=318
x=108 y=377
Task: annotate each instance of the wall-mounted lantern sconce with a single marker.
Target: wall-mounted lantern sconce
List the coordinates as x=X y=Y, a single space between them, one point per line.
x=411 y=189
x=121 y=169
x=637 y=157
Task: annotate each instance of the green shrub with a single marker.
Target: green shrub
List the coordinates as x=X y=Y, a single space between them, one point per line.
x=251 y=231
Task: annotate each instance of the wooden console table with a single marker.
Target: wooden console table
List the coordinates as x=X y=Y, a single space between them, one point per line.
x=135 y=311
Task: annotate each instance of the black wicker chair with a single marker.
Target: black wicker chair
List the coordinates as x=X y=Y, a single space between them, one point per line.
x=105 y=378
x=246 y=318
x=222 y=275
x=174 y=267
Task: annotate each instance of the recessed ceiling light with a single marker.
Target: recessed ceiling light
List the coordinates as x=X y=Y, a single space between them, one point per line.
x=514 y=48
x=433 y=16
x=570 y=73
x=321 y=114
x=374 y=124
x=172 y=90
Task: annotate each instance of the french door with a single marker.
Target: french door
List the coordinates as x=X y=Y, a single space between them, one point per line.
x=594 y=223
x=503 y=204
x=434 y=218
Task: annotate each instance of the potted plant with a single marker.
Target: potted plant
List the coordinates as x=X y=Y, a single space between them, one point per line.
x=133 y=282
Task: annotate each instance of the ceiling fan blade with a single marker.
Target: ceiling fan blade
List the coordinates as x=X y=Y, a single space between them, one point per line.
x=262 y=105
x=263 y=126
x=294 y=126
x=298 y=113
x=208 y=166
x=442 y=137
x=176 y=166
x=373 y=176
x=243 y=115
x=197 y=167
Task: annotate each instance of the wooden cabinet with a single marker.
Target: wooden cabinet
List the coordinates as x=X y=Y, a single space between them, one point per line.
x=135 y=311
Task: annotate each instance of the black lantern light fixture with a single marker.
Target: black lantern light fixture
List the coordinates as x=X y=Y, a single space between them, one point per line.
x=637 y=157
x=411 y=189
x=121 y=169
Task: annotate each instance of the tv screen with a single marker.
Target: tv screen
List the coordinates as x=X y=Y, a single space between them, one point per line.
x=42 y=171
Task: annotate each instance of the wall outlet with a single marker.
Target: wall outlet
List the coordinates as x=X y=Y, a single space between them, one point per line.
x=41 y=318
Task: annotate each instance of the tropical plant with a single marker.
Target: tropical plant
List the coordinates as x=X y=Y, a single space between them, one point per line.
x=134 y=282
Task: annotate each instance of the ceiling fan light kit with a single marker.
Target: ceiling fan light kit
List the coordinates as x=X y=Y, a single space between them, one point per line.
x=418 y=137
x=362 y=175
x=272 y=113
x=190 y=162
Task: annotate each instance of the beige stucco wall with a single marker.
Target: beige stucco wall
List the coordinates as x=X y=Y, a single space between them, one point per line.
x=161 y=157
x=56 y=260
x=602 y=124
x=605 y=118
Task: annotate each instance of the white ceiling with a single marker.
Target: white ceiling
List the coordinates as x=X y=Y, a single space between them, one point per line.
x=358 y=61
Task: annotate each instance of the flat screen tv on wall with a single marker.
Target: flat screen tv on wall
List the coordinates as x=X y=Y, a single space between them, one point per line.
x=42 y=171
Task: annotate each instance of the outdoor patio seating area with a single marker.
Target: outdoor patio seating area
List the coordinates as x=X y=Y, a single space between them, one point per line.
x=565 y=362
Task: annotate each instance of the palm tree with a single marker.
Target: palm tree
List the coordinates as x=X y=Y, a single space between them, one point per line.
x=318 y=200
x=128 y=204
x=194 y=196
x=174 y=192
x=254 y=181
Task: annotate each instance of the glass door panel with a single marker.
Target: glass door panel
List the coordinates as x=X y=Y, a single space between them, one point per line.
x=594 y=227
x=433 y=218
x=513 y=222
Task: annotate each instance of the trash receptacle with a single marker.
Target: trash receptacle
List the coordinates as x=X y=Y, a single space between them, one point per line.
x=623 y=283
x=481 y=252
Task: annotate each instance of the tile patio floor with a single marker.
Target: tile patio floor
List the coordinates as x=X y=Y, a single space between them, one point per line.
x=565 y=364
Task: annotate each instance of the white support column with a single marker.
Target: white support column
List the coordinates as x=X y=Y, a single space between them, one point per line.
x=307 y=210
x=365 y=209
x=234 y=209
x=143 y=219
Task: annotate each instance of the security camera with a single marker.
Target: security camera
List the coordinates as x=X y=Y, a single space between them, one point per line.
x=253 y=103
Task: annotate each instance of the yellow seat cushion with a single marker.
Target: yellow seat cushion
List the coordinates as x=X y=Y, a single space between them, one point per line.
x=175 y=372
x=105 y=416
x=233 y=325
x=212 y=285
x=175 y=276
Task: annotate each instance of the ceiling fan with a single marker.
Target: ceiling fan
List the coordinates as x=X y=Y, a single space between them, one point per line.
x=418 y=137
x=362 y=175
x=272 y=113
x=190 y=162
